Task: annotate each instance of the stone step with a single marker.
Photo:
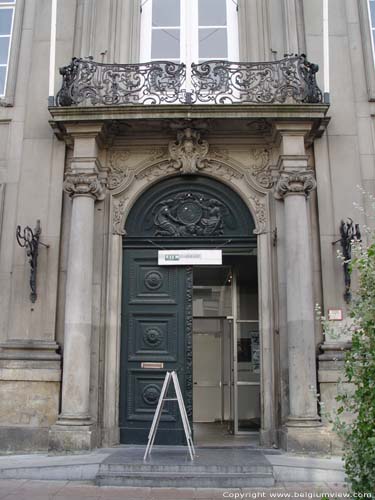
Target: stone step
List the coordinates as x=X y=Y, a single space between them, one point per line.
x=183 y=479
x=228 y=469
x=211 y=468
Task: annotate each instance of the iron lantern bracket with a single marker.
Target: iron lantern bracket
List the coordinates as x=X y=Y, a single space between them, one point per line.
x=30 y=239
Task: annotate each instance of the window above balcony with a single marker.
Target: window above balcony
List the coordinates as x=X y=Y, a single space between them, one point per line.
x=7 y=8
x=189 y=31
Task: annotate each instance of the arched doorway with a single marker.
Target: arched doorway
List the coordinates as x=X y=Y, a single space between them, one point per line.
x=189 y=318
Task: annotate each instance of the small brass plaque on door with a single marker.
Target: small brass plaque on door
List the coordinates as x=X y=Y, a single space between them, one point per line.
x=152 y=365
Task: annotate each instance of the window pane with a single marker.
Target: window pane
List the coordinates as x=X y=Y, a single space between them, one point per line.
x=212 y=13
x=166 y=13
x=372 y=9
x=5 y=21
x=213 y=43
x=165 y=44
x=2 y=79
x=4 y=46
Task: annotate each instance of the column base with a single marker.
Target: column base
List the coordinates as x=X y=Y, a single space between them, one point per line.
x=306 y=439
x=110 y=436
x=303 y=422
x=72 y=435
x=268 y=438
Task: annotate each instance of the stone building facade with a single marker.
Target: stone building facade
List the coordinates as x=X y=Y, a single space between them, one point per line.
x=129 y=159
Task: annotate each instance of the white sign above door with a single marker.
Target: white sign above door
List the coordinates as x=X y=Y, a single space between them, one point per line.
x=190 y=257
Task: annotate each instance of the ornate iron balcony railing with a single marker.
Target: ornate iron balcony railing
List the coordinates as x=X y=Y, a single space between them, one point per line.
x=290 y=80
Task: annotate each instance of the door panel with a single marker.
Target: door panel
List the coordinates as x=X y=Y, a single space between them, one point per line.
x=155 y=311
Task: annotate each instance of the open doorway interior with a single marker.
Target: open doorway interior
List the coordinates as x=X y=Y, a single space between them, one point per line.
x=226 y=356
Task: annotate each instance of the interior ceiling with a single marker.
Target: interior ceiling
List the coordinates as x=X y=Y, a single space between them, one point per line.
x=245 y=265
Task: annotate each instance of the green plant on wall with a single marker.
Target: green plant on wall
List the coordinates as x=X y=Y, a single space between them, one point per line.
x=359 y=369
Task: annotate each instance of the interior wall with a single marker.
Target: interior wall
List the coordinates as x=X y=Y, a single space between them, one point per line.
x=212 y=349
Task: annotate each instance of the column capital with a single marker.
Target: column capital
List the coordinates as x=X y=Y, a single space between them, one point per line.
x=85 y=184
x=294 y=183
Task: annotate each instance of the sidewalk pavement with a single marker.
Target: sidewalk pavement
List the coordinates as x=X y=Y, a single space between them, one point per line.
x=24 y=489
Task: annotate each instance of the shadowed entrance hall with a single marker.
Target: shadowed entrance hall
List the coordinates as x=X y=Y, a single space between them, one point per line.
x=216 y=434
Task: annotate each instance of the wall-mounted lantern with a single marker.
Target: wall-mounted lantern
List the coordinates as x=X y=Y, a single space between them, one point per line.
x=29 y=239
x=349 y=232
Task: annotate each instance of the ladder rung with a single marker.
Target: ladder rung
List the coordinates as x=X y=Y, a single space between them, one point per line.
x=170 y=399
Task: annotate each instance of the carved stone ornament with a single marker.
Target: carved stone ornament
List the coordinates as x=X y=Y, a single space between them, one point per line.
x=189 y=214
x=84 y=185
x=118 y=169
x=157 y=171
x=157 y=153
x=260 y=214
x=189 y=152
x=213 y=167
x=295 y=183
x=119 y=207
x=222 y=170
x=260 y=167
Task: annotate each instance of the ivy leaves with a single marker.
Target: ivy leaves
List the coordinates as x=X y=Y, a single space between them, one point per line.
x=359 y=434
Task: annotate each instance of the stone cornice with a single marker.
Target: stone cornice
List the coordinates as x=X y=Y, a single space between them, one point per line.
x=229 y=115
x=289 y=111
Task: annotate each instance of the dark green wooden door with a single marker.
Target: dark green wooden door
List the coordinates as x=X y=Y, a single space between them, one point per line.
x=156 y=327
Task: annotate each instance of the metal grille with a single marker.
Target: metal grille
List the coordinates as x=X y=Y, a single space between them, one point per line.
x=290 y=80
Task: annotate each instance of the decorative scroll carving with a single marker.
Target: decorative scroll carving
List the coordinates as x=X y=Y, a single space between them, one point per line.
x=260 y=167
x=84 y=185
x=189 y=343
x=156 y=154
x=189 y=152
x=189 y=214
x=218 y=154
x=212 y=167
x=260 y=214
x=119 y=207
x=295 y=183
x=118 y=169
x=222 y=170
x=157 y=171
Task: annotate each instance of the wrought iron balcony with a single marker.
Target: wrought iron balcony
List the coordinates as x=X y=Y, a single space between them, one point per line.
x=290 y=80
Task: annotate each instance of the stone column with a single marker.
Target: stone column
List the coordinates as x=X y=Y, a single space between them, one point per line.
x=74 y=429
x=294 y=184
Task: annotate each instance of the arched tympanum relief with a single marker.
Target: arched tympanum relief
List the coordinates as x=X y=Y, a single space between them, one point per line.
x=190 y=206
x=189 y=155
